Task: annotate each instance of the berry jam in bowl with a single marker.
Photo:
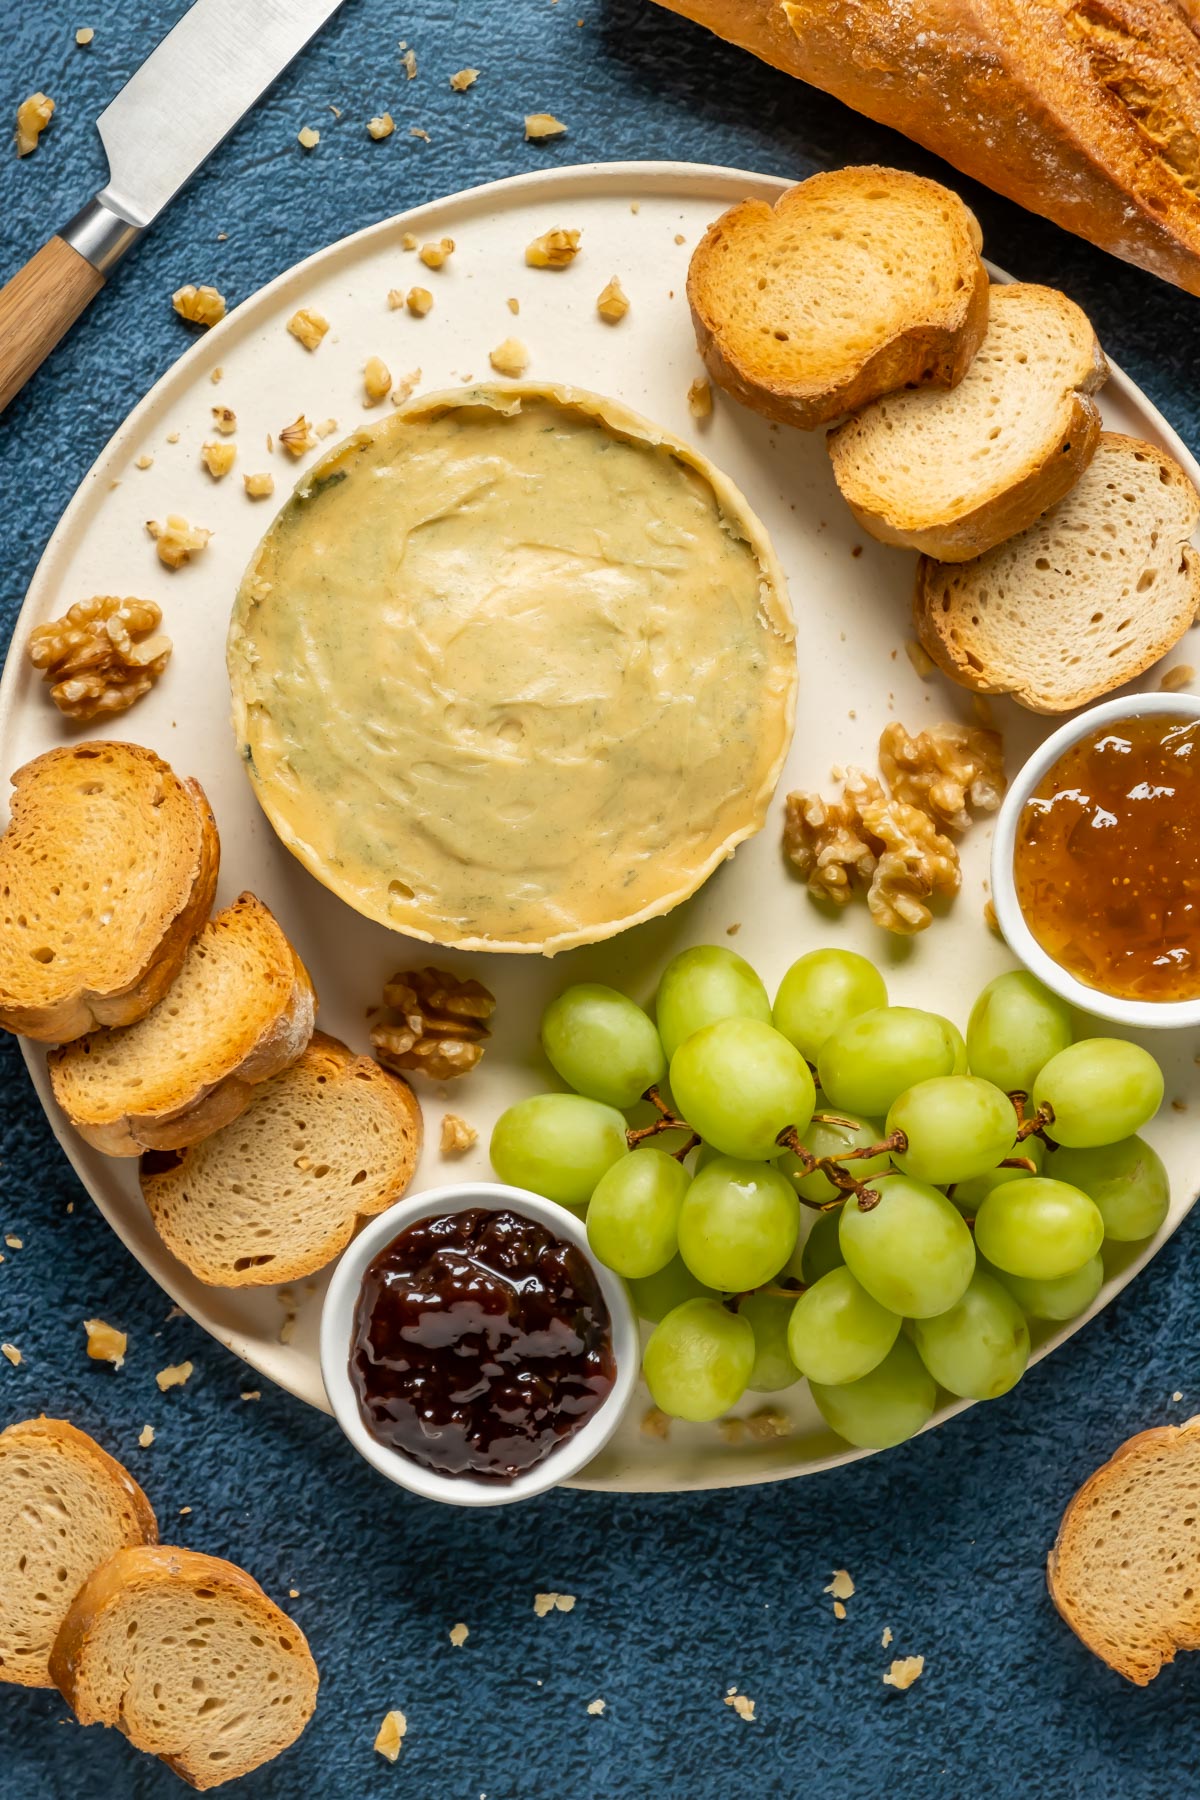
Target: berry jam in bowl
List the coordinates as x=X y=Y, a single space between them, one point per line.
x=473 y=1349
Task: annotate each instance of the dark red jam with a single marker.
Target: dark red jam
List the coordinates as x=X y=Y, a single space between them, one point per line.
x=481 y=1341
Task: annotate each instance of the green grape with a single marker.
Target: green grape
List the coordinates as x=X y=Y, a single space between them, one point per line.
x=633 y=1217
x=1101 y=1090
x=739 y=1083
x=773 y=1367
x=738 y=1224
x=655 y=1296
x=842 y=1131
x=1126 y=1181
x=1016 y=1026
x=969 y=1196
x=883 y=1408
x=602 y=1044
x=702 y=985
x=698 y=1361
x=821 y=992
x=869 y=1061
x=980 y=1347
x=1065 y=1297
x=957 y=1127
x=822 y=1249
x=837 y=1332
x=1038 y=1227
x=558 y=1145
x=912 y=1252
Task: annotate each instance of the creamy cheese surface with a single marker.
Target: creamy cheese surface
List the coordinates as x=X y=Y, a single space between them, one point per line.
x=513 y=669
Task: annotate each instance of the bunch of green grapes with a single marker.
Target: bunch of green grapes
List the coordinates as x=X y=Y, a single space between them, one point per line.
x=957 y=1188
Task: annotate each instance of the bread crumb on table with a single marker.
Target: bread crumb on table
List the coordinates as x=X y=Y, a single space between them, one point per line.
x=409 y=62
x=742 y=1705
x=459 y=1635
x=199 y=305
x=595 y=1708
x=555 y=249
x=613 y=302
x=904 y=1671
x=548 y=1603
x=308 y=326
x=176 y=540
x=258 y=487
x=457 y=1135
x=886 y=1639
x=33 y=116
x=105 y=1343
x=462 y=79
x=146 y=1436
x=509 y=358
x=542 y=125
x=14 y=1242
x=174 y=1375
x=381 y=126
x=418 y=131
x=12 y=1354
x=841 y=1587
x=250 y=1394
x=84 y=35
x=218 y=458
x=377 y=381
x=308 y=138
x=390 y=1735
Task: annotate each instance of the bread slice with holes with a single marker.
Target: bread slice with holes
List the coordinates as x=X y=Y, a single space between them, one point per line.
x=107 y=871
x=65 y=1507
x=1125 y=1569
x=187 y=1656
x=1085 y=599
x=855 y=283
x=279 y=1193
x=241 y=1009
x=954 y=474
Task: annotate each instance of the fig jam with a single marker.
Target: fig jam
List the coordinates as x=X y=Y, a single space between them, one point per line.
x=481 y=1341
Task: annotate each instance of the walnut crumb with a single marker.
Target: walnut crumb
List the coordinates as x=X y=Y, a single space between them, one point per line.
x=841 y=1587
x=308 y=326
x=886 y=1639
x=742 y=1705
x=409 y=62
x=441 y=1029
x=326 y=428
x=904 y=1671
x=297 y=438
x=377 y=381
x=217 y=458
x=184 y=1511
x=173 y=1376
x=395 y=298
x=217 y=375
x=12 y=1354
x=542 y=125
x=33 y=116
x=144 y=461
x=418 y=131
x=419 y=301
x=177 y=541
x=84 y=35
x=105 y=1343
x=613 y=302
x=548 y=1603
x=14 y=1242
x=250 y=1394
x=199 y=305
x=224 y=420
x=308 y=138
x=699 y=398
x=381 y=126
x=839 y=1611
x=656 y=1424
x=434 y=255
x=172 y=437
x=513 y=304
x=462 y=79
x=989 y=917
x=390 y=1735
x=1174 y=680
x=555 y=249
x=146 y=1436
x=595 y=1708
x=459 y=1635
x=732 y=930
x=769 y=1422
x=405 y=387
x=509 y=358
x=457 y=1135
x=679 y=238
x=409 y=241
x=258 y=487
x=104 y=654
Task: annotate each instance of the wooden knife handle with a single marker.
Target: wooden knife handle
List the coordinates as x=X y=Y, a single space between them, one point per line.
x=38 y=307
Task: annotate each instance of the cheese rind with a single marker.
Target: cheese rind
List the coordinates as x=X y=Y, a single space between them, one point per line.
x=513 y=669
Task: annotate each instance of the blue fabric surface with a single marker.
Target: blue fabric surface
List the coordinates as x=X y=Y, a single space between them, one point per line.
x=679 y=1598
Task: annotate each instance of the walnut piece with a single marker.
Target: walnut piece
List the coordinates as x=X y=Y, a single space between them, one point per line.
x=104 y=654
x=457 y=1135
x=555 y=249
x=382 y=126
x=419 y=301
x=442 y=1026
x=947 y=771
x=218 y=458
x=509 y=358
x=904 y=1671
x=33 y=116
x=613 y=302
x=177 y=541
x=462 y=79
x=308 y=326
x=390 y=1735
x=543 y=125
x=105 y=1343
x=258 y=487
x=199 y=305
x=434 y=255
x=826 y=843
x=224 y=420
x=297 y=438
x=915 y=862
x=377 y=381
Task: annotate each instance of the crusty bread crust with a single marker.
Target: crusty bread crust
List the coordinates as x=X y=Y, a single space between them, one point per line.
x=1085 y=114
x=142 y=1570
x=139 y=1523
x=1069 y=1577
x=154 y=947
x=926 y=341
x=203 y=1105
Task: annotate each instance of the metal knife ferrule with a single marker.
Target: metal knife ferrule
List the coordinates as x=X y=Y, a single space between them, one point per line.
x=100 y=235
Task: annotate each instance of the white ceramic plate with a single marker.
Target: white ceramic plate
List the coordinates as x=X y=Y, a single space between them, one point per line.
x=851 y=598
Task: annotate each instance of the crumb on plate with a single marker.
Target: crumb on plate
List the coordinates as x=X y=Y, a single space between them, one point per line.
x=555 y=249
x=218 y=458
x=176 y=540
x=258 y=487
x=509 y=358
x=613 y=302
x=308 y=326
x=419 y=301
x=457 y=1135
x=377 y=381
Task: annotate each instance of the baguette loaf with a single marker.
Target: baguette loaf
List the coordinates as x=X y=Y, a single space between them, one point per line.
x=107 y=872
x=240 y=1010
x=954 y=474
x=1088 y=113
x=187 y=1656
x=65 y=1507
x=853 y=284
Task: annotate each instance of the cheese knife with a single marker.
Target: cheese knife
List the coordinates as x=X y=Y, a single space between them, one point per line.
x=168 y=119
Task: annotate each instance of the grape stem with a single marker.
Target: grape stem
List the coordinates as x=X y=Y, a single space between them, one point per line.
x=831 y=1167
x=1036 y=1125
x=1019 y=1162
x=666 y=1121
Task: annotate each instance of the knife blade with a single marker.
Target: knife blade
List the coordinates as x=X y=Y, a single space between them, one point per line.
x=166 y=121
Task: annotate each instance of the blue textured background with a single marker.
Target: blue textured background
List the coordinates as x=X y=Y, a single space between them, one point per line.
x=678 y=1598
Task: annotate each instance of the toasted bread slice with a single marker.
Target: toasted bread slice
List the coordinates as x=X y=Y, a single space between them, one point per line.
x=240 y=1010
x=278 y=1193
x=107 y=872
x=855 y=283
x=188 y=1657
x=1125 y=1569
x=1085 y=599
x=65 y=1507
x=955 y=473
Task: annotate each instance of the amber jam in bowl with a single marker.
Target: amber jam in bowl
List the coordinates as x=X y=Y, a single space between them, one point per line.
x=473 y=1349
x=1096 y=861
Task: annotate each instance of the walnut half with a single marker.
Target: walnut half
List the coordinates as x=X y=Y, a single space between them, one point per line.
x=442 y=1027
x=104 y=654
x=947 y=771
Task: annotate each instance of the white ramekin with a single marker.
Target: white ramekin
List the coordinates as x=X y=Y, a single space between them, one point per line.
x=337 y=1331
x=1137 y=1014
